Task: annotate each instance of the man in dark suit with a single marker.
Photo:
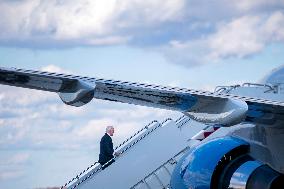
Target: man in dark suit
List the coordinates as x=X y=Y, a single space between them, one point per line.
x=106 y=148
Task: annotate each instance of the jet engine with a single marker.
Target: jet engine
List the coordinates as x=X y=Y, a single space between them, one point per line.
x=221 y=164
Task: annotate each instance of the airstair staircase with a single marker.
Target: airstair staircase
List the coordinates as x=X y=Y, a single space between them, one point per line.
x=146 y=160
x=160 y=177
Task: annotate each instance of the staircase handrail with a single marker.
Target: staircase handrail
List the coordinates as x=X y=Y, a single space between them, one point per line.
x=143 y=128
x=183 y=150
x=124 y=150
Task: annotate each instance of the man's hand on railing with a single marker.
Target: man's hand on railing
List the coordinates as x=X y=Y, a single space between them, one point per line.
x=116 y=154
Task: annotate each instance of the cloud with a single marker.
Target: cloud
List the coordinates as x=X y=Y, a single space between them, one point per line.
x=11 y=165
x=110 y=40
x=84 y=22
x=247 y=35
x=31 y=97
x=187 y=53
x=244 y=5
x=54 y=69
x=188 y=33
x=5 y=175
x=18 y=158
x=240 y=37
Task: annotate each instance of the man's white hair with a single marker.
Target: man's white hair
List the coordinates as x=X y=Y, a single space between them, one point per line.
x=108 y=128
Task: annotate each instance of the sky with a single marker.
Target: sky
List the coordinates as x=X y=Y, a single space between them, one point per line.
x=185 y=43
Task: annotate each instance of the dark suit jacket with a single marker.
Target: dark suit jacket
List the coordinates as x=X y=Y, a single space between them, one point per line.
x=106 y=149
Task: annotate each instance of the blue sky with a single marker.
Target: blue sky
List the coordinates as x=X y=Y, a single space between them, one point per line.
x=192 y=44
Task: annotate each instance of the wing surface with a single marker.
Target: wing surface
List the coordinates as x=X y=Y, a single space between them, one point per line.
x=202 y=106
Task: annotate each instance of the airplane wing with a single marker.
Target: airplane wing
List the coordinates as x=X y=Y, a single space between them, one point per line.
x=208 y=107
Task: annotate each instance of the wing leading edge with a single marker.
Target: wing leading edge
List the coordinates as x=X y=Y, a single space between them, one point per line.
x=76 y=91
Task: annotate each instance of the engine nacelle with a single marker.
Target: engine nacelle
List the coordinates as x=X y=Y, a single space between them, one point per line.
x=223 y=163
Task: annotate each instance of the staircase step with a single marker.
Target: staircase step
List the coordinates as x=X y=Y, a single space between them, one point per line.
x=164 y=176
x=153 y=181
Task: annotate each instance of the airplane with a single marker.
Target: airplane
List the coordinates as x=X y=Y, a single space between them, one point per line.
x=230 y=138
